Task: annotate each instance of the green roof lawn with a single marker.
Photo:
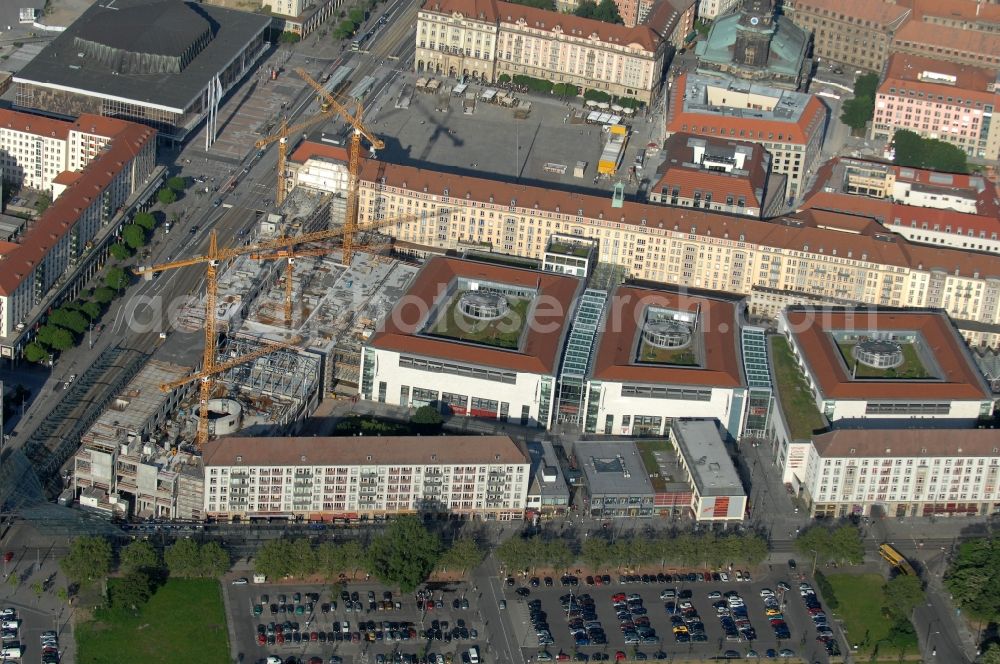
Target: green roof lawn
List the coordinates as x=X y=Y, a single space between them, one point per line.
x=796 y=399
x=504 y=332
x=912 y=367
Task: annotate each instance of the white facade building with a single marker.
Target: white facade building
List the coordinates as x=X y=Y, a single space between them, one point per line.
x=901 y=473
x=935 y=376
x=429 y=351
x=717 y=494
x=325 y=479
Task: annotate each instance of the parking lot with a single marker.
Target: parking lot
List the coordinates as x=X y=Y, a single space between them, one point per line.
x=370 y=625
x=696 y=618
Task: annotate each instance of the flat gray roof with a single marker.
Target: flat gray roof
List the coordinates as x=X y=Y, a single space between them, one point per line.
x=60 y=64
x=788 y=106
x=613 y=468
x=706 y=457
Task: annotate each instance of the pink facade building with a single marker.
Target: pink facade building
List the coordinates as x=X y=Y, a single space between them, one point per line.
x=942 y=100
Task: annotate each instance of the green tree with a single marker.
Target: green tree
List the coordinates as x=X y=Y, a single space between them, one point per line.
x=134 y=236
x=586 y=9
x=215 y=560
x=357 y=16
x=178 y=183
x=902 y=594
x=289 y=37
x=974 y=578
x=405 y=554
x=38 y=588
x=116 y=278
x=166 y=196
x=815 y=542
x=912 y=150
x=69 y=319
x=596 y=95
x=274 y=559
x=42 y=204
x=183 y=558
x=558 y=555
x=462 y=555
x=103 y=295
x=991 y=655
x=304 y=561
x=91 y=310
x=515 y=554
x=35 y=352
x=139 y=556
x=131 y=592
x=857 y=112
x=354 y=556
x=344 y=29
x=427 y=419
x=119 y=251
x=330 y=560
x=866 y=85
x=607 y=11
x=846 y=545
x=594 y=553
x=145 y=220
x=55 y=337
x=87 y=561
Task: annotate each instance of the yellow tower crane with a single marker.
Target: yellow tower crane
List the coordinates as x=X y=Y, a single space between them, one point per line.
x=281 y=137
x=353 y=118
x=212 y=260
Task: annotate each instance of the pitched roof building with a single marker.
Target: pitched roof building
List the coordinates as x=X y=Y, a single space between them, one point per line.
x=718 y=174
x=946 y=43
x=942 y=100
x=789 y=125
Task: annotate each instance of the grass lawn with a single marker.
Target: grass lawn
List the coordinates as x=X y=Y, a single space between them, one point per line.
x=861 y=599
x=184 y=622
x=504 y=332
x=911 y=367
x=647 y=448
x=678 y=356
x=797 y=404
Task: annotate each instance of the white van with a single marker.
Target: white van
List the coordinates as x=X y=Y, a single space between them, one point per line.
x=11 y=652
x=10 y=624
x=474 y=655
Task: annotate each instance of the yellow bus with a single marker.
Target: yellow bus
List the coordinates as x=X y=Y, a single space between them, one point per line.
x=896 y=559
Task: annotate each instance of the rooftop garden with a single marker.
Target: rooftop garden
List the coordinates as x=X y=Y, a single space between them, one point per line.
x=647 y=452
x=569 y=249
x=797 y=402
x=911 y=368
x=504 y=332
x=648 y=353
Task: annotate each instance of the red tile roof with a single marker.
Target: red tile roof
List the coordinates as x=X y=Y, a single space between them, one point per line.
x=802 y=235
x=583 y=28
x=66 y=177
x=128 y=139
x=960 y=379
x=968 y=42
x=718 y=326
x=308 y=150
x=881 y=13
x=544 y=332
x=968 y=10
x=680 y=171
x=915 y=442
x=905 y=69
x=383 y=450
x=34 y=124
x=812 y=119
x=484 y=10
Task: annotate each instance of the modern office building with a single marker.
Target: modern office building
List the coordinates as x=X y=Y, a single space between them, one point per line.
x=908 y=472
x=163 y=63
x=617 y=483
x=856 y=33
x=755 y=44
x=103 y=164
x=662 y=355
x=328 y=479
x=815 y=253
x=789 y=125
x=717 y=494
x=929 y=207
x=473 y=338
x=886 y=368
x=489 y=38
x=943 y=100
x=719 y=174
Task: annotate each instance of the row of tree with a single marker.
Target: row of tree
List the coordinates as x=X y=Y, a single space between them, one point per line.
x=917 y=152
x=140 y=567
x=857 y=112
x=841 y=545
x=974 y=578
x=599 y=554
x=351 y=20
x=403 y=555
